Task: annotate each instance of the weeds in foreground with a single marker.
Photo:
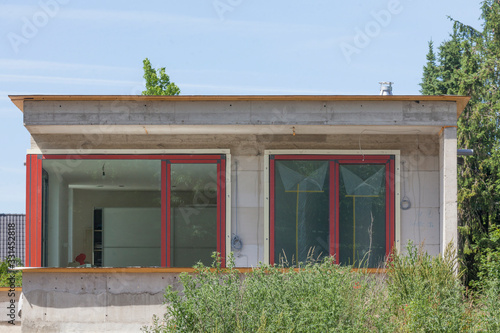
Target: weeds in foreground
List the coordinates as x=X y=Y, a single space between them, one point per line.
x=419 y=293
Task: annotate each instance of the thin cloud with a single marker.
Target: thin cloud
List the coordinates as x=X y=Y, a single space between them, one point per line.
x=18 y=64
x=64 y=80
x=210 y=23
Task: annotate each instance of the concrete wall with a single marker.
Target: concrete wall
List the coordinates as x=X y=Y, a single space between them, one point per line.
x=93 y=302
x=419 y=178
x=260 y=113
x=6 y=297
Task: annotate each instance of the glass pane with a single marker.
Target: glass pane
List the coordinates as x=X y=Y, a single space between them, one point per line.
x=362 y=214
x=301 y=204
x=125 y=236
x=193 y=214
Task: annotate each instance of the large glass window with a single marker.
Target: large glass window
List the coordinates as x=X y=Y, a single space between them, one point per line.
x=193 y=213
x=331 y=205
x=125 y=210
x=301 y=205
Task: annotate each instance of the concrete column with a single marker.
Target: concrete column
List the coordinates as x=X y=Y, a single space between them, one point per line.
x=448 y=187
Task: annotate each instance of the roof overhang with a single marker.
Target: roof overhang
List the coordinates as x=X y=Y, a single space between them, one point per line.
x=461 y=101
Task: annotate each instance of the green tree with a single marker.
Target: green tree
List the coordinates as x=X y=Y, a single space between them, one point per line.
x=469 y=64
x=157 y=81
x=430 y=81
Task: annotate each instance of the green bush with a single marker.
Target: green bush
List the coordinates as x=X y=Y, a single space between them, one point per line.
x=419 y=293
x=489 y=284
x=425 y=292
x=7 y=276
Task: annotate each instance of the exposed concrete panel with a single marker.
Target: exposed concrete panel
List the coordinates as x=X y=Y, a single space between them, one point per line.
x=63 y=113
x=421 y=226
x=415 y=146
x=230 y=129
x=448 y=187
x=6 y=297
x=120 y=302
x=423 y=189
x=248 y=185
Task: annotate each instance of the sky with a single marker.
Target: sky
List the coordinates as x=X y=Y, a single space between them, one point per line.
x=209 y=47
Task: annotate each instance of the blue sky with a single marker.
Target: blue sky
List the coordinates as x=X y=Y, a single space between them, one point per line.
x=208 y=47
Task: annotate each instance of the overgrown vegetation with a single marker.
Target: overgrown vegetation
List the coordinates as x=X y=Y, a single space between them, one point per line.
x=7 y=276
x=418 y=293
x=469 y=64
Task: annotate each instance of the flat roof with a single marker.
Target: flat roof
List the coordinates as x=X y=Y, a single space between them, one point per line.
x=461 y=101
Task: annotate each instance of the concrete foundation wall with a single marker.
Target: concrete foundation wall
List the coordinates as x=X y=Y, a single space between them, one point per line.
x=100 y=302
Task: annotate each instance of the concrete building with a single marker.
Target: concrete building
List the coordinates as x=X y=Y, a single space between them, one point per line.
x=134 y=189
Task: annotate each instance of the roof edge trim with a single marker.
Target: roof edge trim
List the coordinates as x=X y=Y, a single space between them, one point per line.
x=461 y=101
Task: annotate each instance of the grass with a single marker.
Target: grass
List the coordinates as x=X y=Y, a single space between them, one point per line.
x=419 y=293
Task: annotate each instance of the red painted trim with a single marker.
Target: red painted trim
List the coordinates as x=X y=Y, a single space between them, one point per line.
x=341 y=158
x=336 y=161
x=337 y=213
x=222 y=204
x=27 y=230
x=32 y=239
x=38 y=202
x=271 y=211
x=387 y=207
x=374 y=161
x=33 y=211
x=218 y=210
x=169 y=242
x=131 y=157
x=163 y=213
x=194 y=161
x=332 y=210
x=392 y=189
x=34 y=197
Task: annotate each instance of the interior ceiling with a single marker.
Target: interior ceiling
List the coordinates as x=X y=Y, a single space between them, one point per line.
x=125 y=174
x=107 y=174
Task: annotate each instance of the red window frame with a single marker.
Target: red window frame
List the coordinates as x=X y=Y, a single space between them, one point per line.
x=34 y=198
x=334 y=162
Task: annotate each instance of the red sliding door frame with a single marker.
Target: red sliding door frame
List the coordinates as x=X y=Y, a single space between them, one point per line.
x=334 y=200
x=34 y=198
x=33 y=255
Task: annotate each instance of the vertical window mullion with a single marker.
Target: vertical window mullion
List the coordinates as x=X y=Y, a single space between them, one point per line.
x=168 y=212
x=271 y=210
x=221 y=186
x=218 y=226
x=391 y=202
x=333 y=211
x=164 y=216
x=387 y=208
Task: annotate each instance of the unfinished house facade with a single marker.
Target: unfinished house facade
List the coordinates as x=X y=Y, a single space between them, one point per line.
x=126 y=192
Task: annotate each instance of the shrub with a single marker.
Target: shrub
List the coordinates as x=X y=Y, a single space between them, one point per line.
x=419 y=293
x=6 y=275
x=489 y=284
x=322 y=297
x=425 y=292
